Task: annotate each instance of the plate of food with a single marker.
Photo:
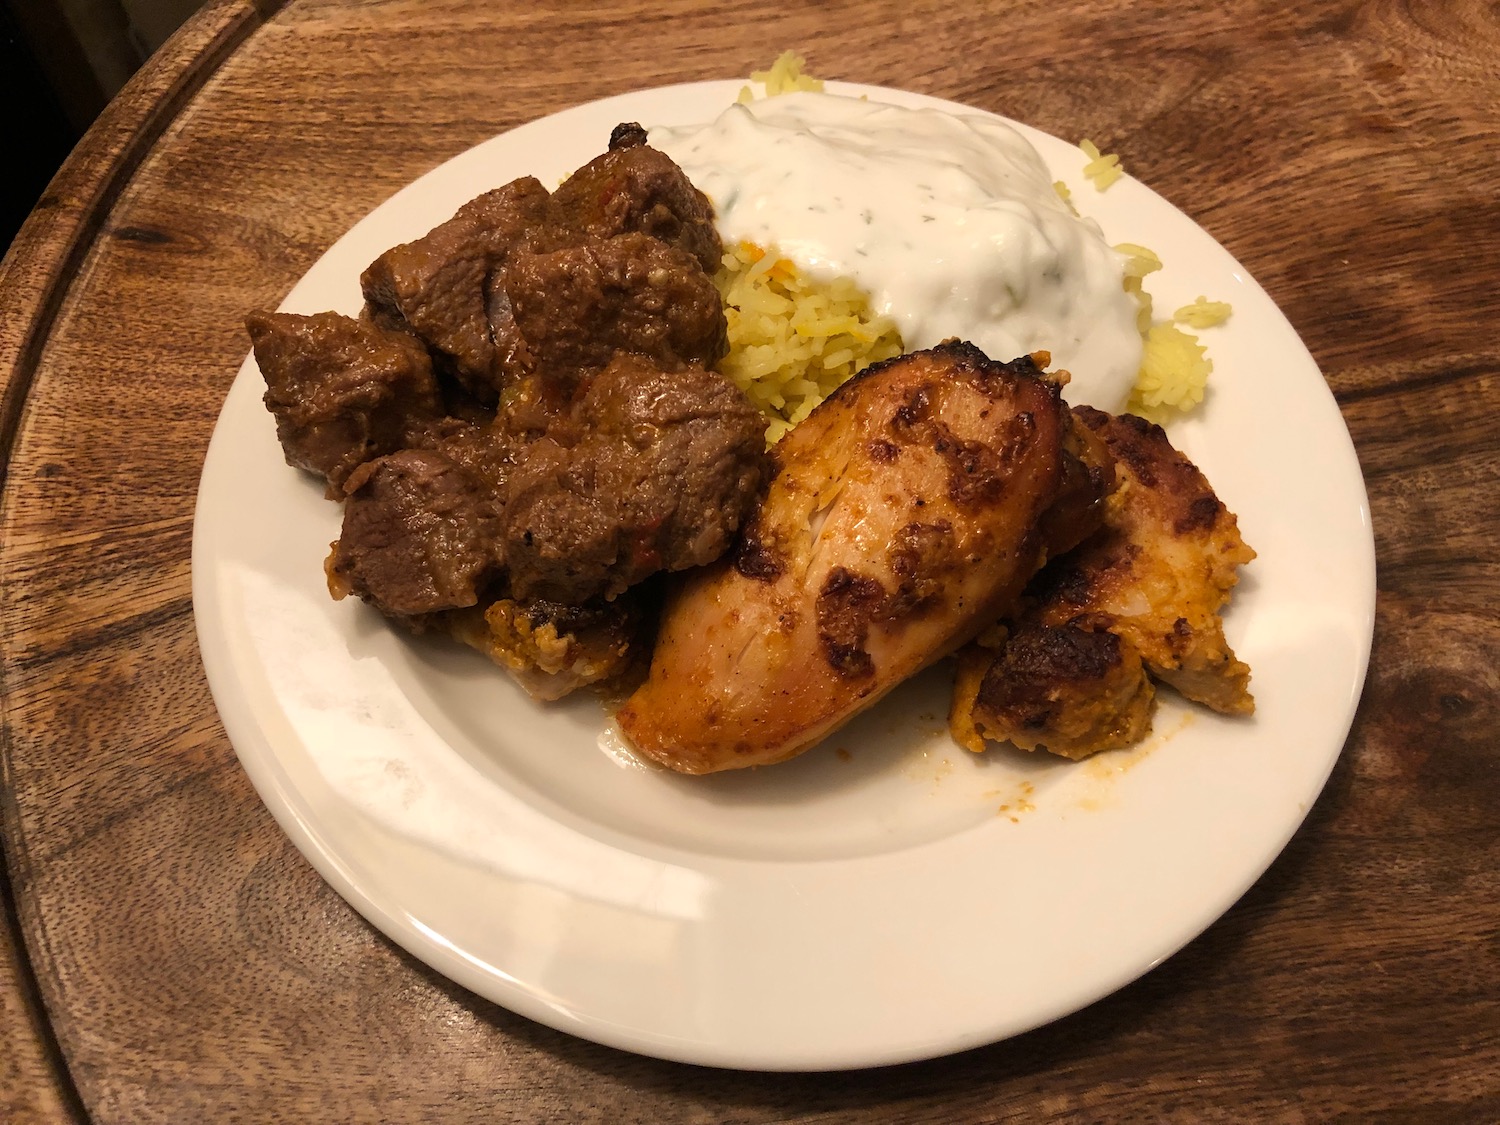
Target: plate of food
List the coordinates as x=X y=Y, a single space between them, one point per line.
x=686 y=570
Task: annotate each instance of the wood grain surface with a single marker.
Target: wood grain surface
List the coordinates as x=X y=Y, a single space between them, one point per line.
x=33 y=1081
x=192 y=965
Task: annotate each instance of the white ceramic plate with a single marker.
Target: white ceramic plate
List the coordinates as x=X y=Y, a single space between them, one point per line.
x=887 y=896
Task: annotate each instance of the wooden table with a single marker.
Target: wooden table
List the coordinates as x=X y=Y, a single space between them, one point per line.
x=169 y=956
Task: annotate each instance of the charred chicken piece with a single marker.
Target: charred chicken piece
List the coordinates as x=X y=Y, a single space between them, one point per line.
x=1064 y=688
x=553 y=649
x=1153 y=580
x=435 y=286
x=343 y=391
x=908 y=512
x=651 y=470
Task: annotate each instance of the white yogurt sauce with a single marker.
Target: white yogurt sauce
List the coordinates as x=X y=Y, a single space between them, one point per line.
x=949 y=222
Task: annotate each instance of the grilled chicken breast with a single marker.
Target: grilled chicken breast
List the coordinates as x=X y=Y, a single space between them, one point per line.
x=1141 y=595
x=906 y=513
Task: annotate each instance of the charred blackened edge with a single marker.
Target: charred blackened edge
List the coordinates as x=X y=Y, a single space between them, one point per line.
x=970 y=356
x=1146 y=449
x=847 y=605
x=627 y=134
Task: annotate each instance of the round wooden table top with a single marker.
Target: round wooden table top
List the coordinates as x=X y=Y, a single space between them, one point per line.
x=169 y=956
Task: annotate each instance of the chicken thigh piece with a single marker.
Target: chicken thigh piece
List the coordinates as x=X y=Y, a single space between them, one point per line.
x=1163 y=567
x=1143 y=594
x=1073 y=689
x=906 y=513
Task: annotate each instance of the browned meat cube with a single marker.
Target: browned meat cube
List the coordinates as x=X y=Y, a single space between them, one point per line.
x=417 y=535
x=634 y=187
x=342 y=390
x=655 y=472
x=436 y=284
x=577 y=306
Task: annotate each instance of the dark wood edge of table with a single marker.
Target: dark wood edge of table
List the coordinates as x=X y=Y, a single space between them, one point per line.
x=45 y=256
x=37 y=1063
x=35 y=277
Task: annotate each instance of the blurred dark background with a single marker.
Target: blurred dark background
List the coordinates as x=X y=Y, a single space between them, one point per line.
x=60 y=63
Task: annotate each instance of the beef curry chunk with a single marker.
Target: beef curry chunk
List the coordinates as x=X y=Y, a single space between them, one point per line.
x=417 y=536
x=449 y=286
x=485 y=450
x=524 y=424
x=577 y=306
x=634 y=187
x=654 y=470
x=436 y=285
x=342 y=390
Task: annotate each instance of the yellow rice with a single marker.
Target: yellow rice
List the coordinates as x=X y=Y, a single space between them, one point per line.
x=784 y=77
x=1102 y=169
x=1203 y=313
x=793 y=339
x=1174 y=369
